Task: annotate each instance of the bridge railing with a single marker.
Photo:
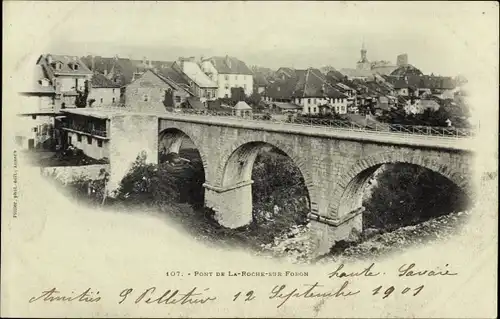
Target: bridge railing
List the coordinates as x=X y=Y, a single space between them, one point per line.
x=342 y=125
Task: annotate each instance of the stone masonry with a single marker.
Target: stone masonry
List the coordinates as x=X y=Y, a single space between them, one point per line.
x=335 y=169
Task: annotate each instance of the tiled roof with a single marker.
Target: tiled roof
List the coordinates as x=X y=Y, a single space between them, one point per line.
x=230 y=65
x=173 y=73
x=194 y=73
x=68 y=64
x=195 y=103
x=260 y=80
x=33 y=82
x=171 y=82
x=406 y=70
x=101 y=81
x=305 y=83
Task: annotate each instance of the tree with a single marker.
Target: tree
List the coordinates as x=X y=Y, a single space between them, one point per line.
x=254 y=99
x=237 y=94
x=81 y=98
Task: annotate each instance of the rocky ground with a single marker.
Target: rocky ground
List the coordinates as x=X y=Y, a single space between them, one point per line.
x=295 y=245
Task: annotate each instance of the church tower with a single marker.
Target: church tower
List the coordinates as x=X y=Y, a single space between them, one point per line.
x=363 y=63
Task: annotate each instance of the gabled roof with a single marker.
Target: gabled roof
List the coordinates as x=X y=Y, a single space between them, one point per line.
x=305 y=83
x=195 y=74
x=195 y=103
x=229 y=65
x=68 y=65
x=173 y=72
x=167 y=81
x=33 y=82
x=101 y=81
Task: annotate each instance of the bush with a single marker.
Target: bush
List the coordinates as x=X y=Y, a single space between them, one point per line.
x=409 y=194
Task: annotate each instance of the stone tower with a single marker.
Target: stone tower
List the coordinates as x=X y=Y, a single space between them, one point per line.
x=363 y=63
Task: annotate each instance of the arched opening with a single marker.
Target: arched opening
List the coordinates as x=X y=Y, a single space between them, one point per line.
x=398 y=195
x=280 y=198
x=180 y=160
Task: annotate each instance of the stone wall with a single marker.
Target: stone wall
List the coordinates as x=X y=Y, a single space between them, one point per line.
x=131 y=135
x=334 y=169
x=154 y=89
x=66 y=174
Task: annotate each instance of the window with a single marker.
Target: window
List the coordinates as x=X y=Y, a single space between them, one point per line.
x=314 y=101
x=79 y=138
x=309 y=109
x=177 y=99
x=236 y=77
x=245 y=87
x=33 y=117
x=314 y=110
x=227 y=86
x=113 y=91
x=102 y=99
x=89 y=140
x=35 y=129
x=145 y=97
x=114 y=100
x=69 y=140
x=226 y=77
x=99 y=143
x=75 y=66
x=309 y=101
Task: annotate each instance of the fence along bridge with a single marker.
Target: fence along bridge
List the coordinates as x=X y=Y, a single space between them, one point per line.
x=335 y=161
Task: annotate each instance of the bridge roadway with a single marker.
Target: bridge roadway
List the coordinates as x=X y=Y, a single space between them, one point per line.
x=396 y=138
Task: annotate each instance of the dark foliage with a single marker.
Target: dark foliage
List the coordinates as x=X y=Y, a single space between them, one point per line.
x=409 y=194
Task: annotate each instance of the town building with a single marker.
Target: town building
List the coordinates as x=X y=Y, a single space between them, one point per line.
x=199 y=83
x=103 y=92
x=228 y=72
x=68 y=75
x=306 y=88
x=36 y=110
x=154 y=92
x=86 y=130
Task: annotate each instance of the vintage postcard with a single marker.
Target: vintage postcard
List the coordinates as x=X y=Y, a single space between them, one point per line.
x=249 y=159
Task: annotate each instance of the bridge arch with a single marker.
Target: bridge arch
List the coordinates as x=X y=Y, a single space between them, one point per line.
x=351 y=184
x=246 y=150
x=234 y=176
x=170 y=141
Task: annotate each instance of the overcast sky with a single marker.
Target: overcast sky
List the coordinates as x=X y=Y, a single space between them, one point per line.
x=438 y=37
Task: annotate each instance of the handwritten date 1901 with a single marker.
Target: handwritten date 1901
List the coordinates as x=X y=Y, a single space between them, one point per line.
x=391 y=289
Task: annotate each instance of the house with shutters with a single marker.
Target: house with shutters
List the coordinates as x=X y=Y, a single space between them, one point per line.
x=68 y=75
x=228 y=72
x=308 y=89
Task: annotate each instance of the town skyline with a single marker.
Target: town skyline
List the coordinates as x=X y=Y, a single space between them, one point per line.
x=265 y=35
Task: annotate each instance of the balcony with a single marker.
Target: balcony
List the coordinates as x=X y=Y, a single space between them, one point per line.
x=85 y=129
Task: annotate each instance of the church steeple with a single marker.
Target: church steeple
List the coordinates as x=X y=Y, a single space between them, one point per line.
x=363 y=52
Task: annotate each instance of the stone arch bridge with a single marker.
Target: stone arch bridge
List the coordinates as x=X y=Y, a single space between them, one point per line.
x=335 y=164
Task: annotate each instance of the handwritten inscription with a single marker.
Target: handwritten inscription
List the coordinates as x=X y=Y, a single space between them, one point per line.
x=53 y=294
x=281 y=294
x=410 y=270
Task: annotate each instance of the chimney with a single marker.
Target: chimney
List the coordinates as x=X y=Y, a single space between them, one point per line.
x=228 y=61
x=93 y=63
x=144 y=61
x=49 y=59
x=105 y=72
x=150 y=64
